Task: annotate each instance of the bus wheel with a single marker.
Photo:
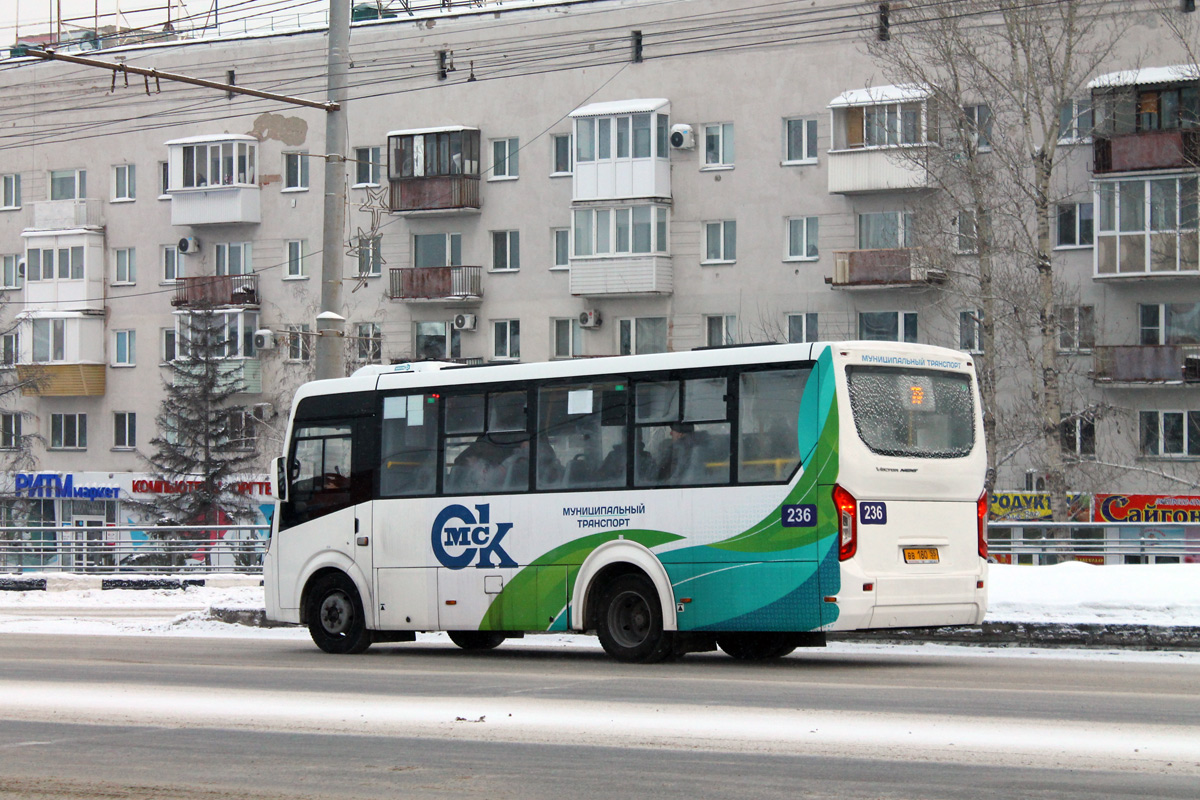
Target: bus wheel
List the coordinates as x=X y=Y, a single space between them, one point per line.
x=756 y=646
x=335 y=616
x=630 y=624
x=477 y=640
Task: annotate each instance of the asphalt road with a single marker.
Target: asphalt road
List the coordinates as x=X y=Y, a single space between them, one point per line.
x=164 y=717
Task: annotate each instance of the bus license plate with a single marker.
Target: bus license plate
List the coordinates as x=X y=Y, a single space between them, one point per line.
x=920 y=555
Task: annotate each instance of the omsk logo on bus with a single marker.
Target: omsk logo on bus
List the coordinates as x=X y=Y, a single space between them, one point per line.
x=460 y=537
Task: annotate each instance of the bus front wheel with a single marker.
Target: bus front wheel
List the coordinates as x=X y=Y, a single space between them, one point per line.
x=630 y=622
x=335 y=616
x=477 y=640
x=756 y=646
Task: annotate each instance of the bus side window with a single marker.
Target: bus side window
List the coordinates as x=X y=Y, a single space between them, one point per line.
x=769 y=411
x=408 y=452
x=683 y=432
x=487 y=443
x=581 y=436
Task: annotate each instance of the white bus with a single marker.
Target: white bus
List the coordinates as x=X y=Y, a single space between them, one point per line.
x=748 y=498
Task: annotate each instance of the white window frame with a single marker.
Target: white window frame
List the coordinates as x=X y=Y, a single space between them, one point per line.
x=55 y=340
x=451 y=338
x=124 y=430
x=1079 y=424
x=295 y=251
x=1184 y=452
x=1115 y=195
x=602 y=228
x=504 y=332
x=966 y=233
x=226 y=157
x=452 y=247
x=573 y=331
x=172 y=263
x=893 y=129
x=10 y=200
x=1082 y=122
x=77 y=438
x=78 y=178
x=370 y=256
x=168 y=345
x=506 y=166
x=970 y=330
x=806 y=322
x=627 y=331
x=10 y=349
x=125 y=266
x=11 y=277
x=560 y=236
x=905 y=229
x=723 y=235
x=299 y=342
x=506 y=251
x=722 y=134
x=225 y=256
x=124 y=340
x=555 y=139
x=10 y=431
x=368 y=163
x=368 y=342
x=237 y=329
x=1076 y=328
x=65 y=263
x=979 y=121
x=164 y=180
x=720 y=326
x=124 y=183
x=902 y=319
x=1076 y=213
x=801 y=234
x=295 y=171
x=808 y=141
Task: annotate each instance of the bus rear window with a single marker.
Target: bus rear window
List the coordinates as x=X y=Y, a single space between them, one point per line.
x=913 y=413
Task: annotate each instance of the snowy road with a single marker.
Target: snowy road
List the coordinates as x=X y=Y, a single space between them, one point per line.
x=105 y=712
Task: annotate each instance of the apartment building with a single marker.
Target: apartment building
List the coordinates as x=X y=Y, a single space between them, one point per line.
x=561 y=180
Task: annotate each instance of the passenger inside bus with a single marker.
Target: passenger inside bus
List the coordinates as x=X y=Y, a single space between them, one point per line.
x=684 y=454
x=478 y=468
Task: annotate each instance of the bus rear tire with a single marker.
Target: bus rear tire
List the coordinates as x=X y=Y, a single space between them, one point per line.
x=630 y=621
x=746 y=646
x=335 y=616
x=477 y=640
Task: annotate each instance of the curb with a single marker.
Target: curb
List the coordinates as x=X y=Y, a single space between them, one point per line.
x=1041 y=634
x=55 y=582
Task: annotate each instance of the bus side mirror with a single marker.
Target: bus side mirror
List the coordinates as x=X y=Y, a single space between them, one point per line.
x=279 y=479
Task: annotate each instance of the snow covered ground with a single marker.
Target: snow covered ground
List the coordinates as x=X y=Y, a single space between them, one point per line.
x=1159 y=594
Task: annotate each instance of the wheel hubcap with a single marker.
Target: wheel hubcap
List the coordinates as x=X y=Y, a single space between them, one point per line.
x=629 y=619
x=336 y=613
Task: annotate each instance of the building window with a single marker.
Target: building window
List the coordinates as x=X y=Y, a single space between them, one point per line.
x=68 y=184
x=720 y=242
x=802 y=327
x=1076 y=328
x=126 y=266
x=10 y=431
x=720 y=330
x=621 y=230
x=966 y=233
x=437 y=341
x=12 y=272
x=49 y=340
x=164 y=180
x=124 y=182
x=888 y=326
x=1147 y=225
x=718 y=145
x=299 y=343
x=232 y=329
x=883 y=125
x=68 y=431
x=11 y=190
x=369 y=342
x=1075 y=224
x=172 y=266
x=885 y=230
x=124 y=348
x=240 y=433
x=567 y=338
x=10 y=349
x=802 y=239
x=1169 y=433
x=219 y=164
x=560 y=148
x=1078 y=434
x=970 y=330
x=507 y=339
x=643 y=335
x=1075 y=120
x=370 y=256
x=799 y=141
x=978 y=126
x=368 y=161
x=40 y=264
x=562 y=247
x=506 y=250
x=1169 y=323
x=234 y=258
x=124 y=430
x=505 y=158
x=295 y=171
x=437 y=250
x=169 y=352
x=295 y=259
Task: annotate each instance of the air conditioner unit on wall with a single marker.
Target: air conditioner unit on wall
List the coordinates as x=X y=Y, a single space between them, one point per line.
x=589 y=318
x=189 y=245
x=682 y=137
x=464 y=322
x=264 y=339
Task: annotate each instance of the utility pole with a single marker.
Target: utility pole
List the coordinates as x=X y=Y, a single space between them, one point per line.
x=330 y=323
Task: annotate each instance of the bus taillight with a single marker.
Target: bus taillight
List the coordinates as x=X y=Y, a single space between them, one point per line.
x=847 y=511
x=981 y=511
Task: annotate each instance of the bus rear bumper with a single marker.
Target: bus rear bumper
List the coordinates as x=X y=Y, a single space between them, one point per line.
x=915 y=601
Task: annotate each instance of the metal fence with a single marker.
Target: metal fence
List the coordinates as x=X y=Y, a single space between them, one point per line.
x=1092 y=542
x=131 y=548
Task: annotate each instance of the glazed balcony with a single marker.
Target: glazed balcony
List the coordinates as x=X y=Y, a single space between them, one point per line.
x=436 y=284
x=216 y=290
x=61 y=380
x=1146 y=364
x=876 y=269
x=1148 y=150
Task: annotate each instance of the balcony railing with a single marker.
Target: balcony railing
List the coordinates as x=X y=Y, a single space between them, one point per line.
x=437 y=193
x=881 y=268
x=217 y=290
x=883 y=169
x=1149 y=150
x=61 y=380
x=436 y=283
x=63 y=214
x=1171 y=363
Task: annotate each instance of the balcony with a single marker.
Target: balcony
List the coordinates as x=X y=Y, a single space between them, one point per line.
x=58 y=215
x=216 y=290
x=216 y=205
x=246 y=370
x=882 y=169
x=436 y=284
x=1148 y=150
x=61 y=380
x=876 y=269
x=628 y=276
x=440 y=193
x=1145 y=364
